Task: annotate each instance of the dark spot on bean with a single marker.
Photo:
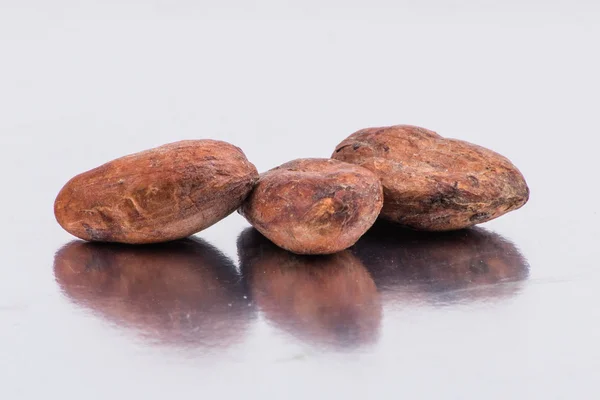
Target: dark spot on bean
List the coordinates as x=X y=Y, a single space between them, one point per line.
x=439 y=198
x=478 y=217
x=337 y=151
x=473 y=180
x=96 y=234
x=355 y=146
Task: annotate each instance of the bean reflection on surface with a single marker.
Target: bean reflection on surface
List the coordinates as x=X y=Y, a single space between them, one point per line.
x=324 y=300
x=184 y=292
x=443 y=266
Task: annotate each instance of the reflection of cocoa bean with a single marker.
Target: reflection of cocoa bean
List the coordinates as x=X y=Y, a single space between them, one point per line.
x=433 y=183
x=184 y=292
x=329 y=300
x=314 y=206
x=158 y=195
x=443 y=262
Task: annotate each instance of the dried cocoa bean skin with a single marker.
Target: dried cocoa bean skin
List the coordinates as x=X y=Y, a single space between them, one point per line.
x=433 y=183
x=158 y=195
x=322 y=299
x=314 y=206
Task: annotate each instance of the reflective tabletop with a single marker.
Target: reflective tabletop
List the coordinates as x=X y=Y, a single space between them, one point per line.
x=505 y=310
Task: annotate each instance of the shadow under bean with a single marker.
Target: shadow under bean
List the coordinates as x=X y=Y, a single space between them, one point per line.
x=442 y=267
x=184 y=293
x=328 y=301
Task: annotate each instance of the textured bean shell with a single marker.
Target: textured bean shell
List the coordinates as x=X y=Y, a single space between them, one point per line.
x=183 y=293
x=158 y=195
x=327 y=299
x=433 y=183
x=314 y=206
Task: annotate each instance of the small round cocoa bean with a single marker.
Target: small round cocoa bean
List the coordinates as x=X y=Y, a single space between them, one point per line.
x=314 y=206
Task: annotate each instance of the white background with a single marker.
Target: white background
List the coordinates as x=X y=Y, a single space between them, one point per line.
x=82 y=83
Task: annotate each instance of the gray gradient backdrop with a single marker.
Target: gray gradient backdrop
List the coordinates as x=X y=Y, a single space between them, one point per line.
x=82 y=83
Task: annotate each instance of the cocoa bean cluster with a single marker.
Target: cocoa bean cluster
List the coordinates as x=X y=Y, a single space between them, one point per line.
x=404 y=174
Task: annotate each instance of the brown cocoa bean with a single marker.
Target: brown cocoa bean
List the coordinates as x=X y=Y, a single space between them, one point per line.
x=314 y=206
x=433 y=183
x=158 y=195
x=327 y=299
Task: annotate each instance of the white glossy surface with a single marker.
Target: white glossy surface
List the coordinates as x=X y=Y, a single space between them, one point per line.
x=83 y=84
